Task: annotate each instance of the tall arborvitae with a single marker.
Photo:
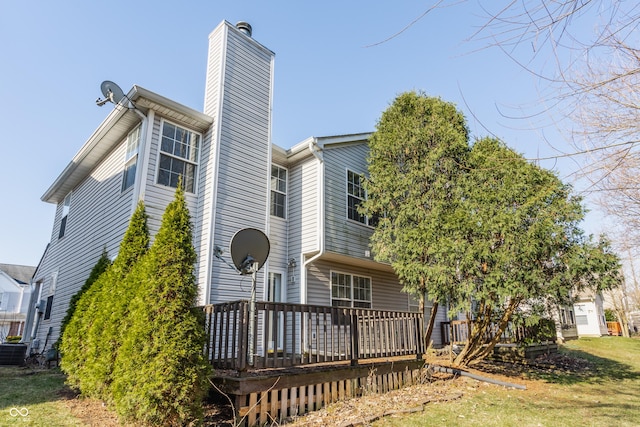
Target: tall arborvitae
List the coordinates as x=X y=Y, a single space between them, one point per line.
x=101 y=266
x=104 y=334
x=160 y=373
x=88 y=347
x=76 y=324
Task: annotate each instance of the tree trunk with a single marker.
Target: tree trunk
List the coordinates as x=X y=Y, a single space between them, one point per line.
x=432 y=321
x=476 y=349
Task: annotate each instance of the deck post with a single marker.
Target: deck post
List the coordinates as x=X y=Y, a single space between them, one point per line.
x=421 y=345
x=244 y=333
x=355 y=339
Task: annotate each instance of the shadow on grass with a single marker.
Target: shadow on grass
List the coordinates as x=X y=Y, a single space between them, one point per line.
x=596 y=369
x=567 y=367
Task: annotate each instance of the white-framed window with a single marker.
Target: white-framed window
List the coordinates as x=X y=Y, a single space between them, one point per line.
x=179 y=154
x=349 y=290
x=66 y=204
x=131 y=159
x=278 y=191
x=276 y=287
x=356 y=195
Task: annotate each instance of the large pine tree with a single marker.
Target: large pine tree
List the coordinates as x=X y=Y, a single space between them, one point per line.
x=479 y=228
x=416 y=162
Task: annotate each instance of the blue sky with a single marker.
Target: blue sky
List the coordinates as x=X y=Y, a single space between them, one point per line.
x=331 y=77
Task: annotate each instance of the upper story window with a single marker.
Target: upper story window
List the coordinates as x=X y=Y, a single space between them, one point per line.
x=65 y=214
x=131 y=159
x=179 y=152
x=356 y=195
x=350 y=291
x=278 y=191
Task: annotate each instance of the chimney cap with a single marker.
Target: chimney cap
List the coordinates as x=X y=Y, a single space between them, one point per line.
x=244 y=27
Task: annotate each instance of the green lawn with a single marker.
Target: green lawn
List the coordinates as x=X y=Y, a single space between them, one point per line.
x=608 y=394
x=32 y=398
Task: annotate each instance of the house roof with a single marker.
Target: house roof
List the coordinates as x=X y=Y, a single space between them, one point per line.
x=123 y=118
x=20 y=273
x=112 y=131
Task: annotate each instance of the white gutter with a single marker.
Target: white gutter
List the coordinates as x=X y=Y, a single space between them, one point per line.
x=316 y=150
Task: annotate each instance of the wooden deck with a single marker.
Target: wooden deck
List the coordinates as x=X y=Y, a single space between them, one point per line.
x=307 y=356
x=281 y=360
x=289 y=335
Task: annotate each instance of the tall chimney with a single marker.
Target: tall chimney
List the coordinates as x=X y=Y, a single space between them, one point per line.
x=238 y=94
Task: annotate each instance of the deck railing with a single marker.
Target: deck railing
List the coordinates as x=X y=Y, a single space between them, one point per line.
x=457 y=332
x=300 y=334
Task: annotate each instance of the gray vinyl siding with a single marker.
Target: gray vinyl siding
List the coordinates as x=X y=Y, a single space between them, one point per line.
x=344 y=236
x=441 y=316
x=303 y=218
x=385 y=289
x=98 y=217
x=242 y=142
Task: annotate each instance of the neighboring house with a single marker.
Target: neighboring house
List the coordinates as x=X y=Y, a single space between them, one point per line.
x=304 y=198
x=585 y=318
x=590 y=319
x=15 y=293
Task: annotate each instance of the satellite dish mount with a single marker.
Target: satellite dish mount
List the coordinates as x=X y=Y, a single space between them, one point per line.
x=111 y=92
x=249 y=250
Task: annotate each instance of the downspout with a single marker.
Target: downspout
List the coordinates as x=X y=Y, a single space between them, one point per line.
x=142 y=160
x=316 y=151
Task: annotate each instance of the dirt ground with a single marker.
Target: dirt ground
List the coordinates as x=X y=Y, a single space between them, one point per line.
x=437 y=388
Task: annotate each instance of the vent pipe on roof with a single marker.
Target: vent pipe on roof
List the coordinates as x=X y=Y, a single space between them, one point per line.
x=244 y=27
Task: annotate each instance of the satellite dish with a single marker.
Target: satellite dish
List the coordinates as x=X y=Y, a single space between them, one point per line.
x=111 y=92
x=248 y=247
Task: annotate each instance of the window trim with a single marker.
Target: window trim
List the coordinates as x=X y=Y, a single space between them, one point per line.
x=131 y=159
x=368 y=222
x=275 y=190
x=160 y=153
x=351 y=299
